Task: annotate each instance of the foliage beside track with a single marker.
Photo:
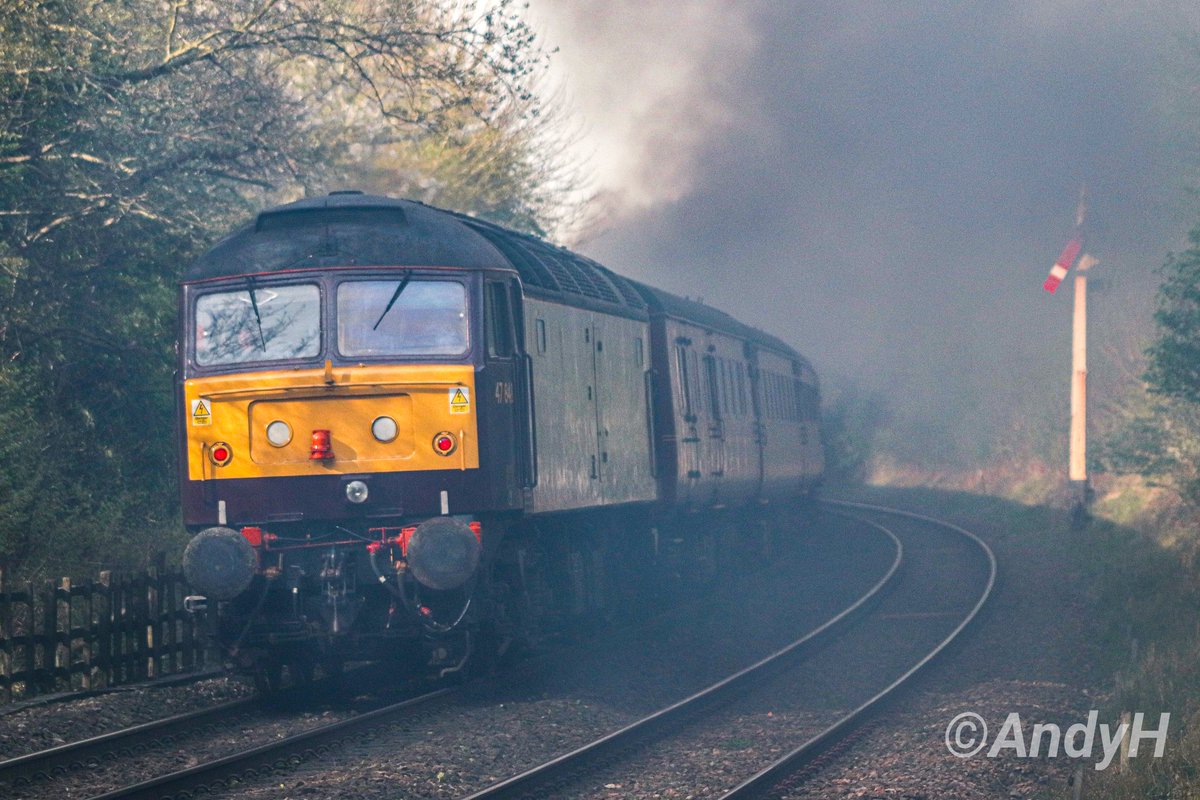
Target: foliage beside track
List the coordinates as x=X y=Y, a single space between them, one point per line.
x=134 y=133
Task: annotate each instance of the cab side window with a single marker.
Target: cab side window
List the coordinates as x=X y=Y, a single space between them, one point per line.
x=499 y=321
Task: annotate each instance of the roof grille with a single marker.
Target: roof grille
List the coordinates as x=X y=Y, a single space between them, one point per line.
x=548 y=267
x=348 y=215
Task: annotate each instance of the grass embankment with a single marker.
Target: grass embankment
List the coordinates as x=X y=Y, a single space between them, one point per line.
x=1134 y=569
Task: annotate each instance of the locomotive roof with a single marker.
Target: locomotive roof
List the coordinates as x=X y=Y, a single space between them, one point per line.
x=345 y=229
x=356 y=229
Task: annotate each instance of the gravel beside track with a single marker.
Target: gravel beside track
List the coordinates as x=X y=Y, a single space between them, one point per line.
x=41 y=726
x=903 y=754
x=244 y=728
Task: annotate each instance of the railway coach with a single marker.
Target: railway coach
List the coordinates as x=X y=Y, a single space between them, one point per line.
x=411 y=433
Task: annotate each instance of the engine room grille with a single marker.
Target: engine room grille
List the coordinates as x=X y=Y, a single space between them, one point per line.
x=543 y=265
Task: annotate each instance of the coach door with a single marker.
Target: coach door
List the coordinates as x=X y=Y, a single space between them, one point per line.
x=599 y=392
x=622 y=440
x=757 y=407
x=714 y=433
x=687 y=369
x=499 y=386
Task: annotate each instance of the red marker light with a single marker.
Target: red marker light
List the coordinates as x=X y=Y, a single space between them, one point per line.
x=220 y=454
x=444 y=443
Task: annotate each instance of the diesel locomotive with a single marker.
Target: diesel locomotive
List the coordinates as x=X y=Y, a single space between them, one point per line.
x=409 y=433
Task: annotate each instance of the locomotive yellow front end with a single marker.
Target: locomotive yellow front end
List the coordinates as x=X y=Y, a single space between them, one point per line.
x=353 y=424
x=332 y=439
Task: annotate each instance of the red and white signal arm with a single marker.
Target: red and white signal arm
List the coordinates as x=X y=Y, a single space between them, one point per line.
x=1065 y=259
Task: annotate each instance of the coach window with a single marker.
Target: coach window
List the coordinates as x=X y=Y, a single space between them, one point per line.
x=500 y=339
x=727 y=387
x=540 y=328
x=714 y=388
x=722 y=391
x=258 y=323
x=809 y=405
x=402 y=318
x=741 y=388
x=685 y=379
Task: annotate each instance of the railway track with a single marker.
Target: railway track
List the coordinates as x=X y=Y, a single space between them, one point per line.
x=178 y=679
x=223 y=773
x=22 y=771
x=575 y=773
x=24 y=774
x=289 y=754
x=783 y=772
x=556 y=776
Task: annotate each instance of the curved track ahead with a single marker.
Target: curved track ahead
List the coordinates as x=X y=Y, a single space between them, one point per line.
x=566 y=775
x=769 y=780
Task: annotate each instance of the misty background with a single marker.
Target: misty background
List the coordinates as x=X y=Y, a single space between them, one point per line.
x=885 y=186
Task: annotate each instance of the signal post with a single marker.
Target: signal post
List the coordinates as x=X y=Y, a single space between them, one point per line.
x=1077 y=471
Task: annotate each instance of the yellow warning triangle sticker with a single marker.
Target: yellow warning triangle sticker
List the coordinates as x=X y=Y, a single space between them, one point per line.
x=459 y=399
x=201 y=413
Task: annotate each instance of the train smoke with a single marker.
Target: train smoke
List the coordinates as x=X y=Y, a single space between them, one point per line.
x=886 y=185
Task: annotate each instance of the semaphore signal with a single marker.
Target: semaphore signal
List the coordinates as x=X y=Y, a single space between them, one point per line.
x=1069 y=253
x=1077 y=467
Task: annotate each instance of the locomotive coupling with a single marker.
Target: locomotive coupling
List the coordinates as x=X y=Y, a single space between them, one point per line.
x=220 y=563
x=443 y=553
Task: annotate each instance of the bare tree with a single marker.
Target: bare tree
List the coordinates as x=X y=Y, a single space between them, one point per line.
x=133 y=130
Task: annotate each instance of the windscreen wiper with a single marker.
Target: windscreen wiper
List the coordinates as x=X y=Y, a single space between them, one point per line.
x=395 y=297
x=257 y=315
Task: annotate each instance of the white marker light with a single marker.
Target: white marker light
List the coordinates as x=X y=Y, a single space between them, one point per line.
x=279 y=433
x=384 y=429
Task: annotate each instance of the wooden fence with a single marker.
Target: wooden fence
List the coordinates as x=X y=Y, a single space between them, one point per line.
x=118 y=629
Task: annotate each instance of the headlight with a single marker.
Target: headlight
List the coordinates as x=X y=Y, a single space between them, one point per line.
x=356 y=492
x=384 y=429
x=279 y=433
